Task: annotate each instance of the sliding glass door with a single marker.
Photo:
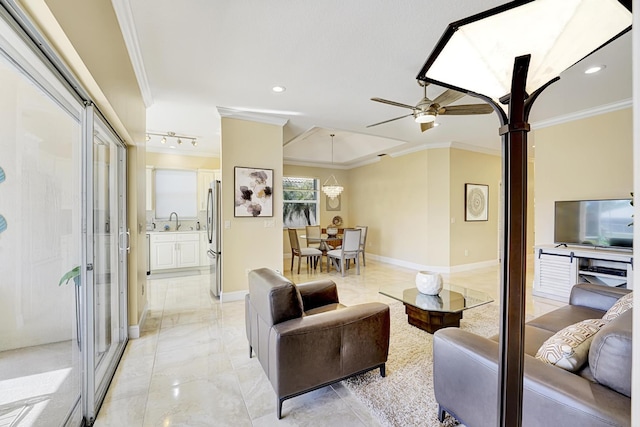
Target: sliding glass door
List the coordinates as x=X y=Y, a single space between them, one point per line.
x=107 y=248
x=40 y=244
x=63 y=244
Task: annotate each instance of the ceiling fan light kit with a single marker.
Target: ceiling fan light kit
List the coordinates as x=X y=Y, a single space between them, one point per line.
x=424 y=117
x=426 y=111
x=331 y=187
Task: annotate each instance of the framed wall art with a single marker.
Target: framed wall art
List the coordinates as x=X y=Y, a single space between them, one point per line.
x=476 y=202
x=334 y=204
x=253 y=192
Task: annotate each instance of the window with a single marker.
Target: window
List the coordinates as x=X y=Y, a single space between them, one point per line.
x=176 y=191
x=301 y=202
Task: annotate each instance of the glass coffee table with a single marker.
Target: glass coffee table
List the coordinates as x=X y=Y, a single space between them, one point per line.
x=433 y=312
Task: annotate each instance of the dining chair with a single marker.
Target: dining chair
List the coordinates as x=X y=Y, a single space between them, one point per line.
x=350 y=250
x=297 y=251
x=313 y=232
x=363 y=241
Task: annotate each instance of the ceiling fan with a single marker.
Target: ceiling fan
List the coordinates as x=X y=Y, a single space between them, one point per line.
x=426 y=110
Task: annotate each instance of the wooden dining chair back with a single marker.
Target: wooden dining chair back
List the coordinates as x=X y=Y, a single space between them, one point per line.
x=296 y=251
x=313 y=232
x=363 y=240
x=350 y=250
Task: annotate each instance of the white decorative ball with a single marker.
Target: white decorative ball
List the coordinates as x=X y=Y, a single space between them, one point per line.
x=429 y=282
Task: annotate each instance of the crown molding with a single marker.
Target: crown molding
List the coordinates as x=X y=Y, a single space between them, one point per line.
x=128 y=28
x=583 y=114
x=289 y=162
x=252 y=117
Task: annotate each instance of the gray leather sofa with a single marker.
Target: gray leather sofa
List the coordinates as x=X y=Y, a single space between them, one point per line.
x=465 y=370
x=305 y=339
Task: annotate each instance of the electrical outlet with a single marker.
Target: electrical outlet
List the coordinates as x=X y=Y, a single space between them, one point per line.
x=466 y=252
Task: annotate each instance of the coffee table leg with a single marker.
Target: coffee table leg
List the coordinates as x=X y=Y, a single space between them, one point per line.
x=431 y=321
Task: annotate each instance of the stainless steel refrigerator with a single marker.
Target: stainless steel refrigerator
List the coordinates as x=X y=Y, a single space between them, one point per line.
x=214 y=232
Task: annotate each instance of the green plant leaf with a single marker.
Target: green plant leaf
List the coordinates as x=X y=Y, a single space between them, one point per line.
x=71 y=274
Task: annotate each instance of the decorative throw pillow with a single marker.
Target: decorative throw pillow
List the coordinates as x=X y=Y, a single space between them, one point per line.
x=569 y=348
x=622 y=305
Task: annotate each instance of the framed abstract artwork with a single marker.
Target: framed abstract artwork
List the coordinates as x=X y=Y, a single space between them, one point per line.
x=476 y=202
x=253 y=192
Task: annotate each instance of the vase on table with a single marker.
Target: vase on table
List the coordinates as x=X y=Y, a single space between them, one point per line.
x=429 y=282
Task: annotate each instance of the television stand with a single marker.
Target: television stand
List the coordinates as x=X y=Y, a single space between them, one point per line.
x=557 y=269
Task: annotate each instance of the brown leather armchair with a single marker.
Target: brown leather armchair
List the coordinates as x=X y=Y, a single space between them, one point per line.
x=305 y=339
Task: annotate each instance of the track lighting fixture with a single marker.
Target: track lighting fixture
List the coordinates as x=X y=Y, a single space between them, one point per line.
x=179 y=138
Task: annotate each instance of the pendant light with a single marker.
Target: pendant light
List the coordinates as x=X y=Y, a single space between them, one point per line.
x=331 y=187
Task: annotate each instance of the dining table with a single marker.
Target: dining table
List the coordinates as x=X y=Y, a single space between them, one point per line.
x=326 y=241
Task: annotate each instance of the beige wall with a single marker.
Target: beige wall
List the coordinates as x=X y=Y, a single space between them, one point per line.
x=87 y=37
x=584 y=159
x=250 y=243
x=414 y=207
x=438 y=211
x=325 y=216
x=163 y=160
x=478 y=238
x=391 y=197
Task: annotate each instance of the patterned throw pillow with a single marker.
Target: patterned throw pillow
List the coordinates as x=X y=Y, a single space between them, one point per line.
x=622 y=305
x=569 y=348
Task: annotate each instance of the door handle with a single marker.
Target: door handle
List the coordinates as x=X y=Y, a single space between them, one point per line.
x=127 y=234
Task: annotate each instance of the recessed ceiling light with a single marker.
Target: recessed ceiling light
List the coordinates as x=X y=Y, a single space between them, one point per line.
x=278 y=89
x=172 y=146
x=595 y=69
x=436 y=124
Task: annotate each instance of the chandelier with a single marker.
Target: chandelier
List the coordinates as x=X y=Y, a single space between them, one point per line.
x=331 y=187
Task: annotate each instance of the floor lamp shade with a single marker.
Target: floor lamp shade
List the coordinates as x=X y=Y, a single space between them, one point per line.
x=479 y=51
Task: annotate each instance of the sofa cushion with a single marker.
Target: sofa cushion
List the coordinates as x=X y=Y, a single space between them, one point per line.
x=622 y=305
x=564 y=316
x=569 y=348
x=610 y=354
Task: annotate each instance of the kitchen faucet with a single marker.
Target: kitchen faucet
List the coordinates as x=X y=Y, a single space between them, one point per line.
x=177 y=225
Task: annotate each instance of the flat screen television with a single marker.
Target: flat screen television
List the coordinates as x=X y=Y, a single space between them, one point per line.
x=600 y=223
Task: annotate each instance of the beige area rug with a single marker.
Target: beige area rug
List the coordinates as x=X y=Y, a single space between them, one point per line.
x=405 y=396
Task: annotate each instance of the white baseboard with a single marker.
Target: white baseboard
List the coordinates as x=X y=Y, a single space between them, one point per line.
x=438 y=269
x=423 y=267
x=134 y=330
x=233 y=296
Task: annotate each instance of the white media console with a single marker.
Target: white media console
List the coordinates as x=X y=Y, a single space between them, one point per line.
x=557 y=269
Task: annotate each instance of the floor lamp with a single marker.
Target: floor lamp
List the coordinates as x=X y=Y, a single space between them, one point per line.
x=507 y=56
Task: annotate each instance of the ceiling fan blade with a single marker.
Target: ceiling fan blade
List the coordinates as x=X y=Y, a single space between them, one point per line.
x=426 y=126
x=397 y=104
x=390 y=120
x=459 y=110
x=448 y=96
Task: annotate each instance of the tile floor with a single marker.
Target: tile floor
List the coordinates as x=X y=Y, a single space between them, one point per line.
x=190 y=367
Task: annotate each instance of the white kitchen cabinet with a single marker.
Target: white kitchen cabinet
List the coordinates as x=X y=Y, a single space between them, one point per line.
x=205 y=177
x=174 y=250
x=188 y=250
x=149 y=188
